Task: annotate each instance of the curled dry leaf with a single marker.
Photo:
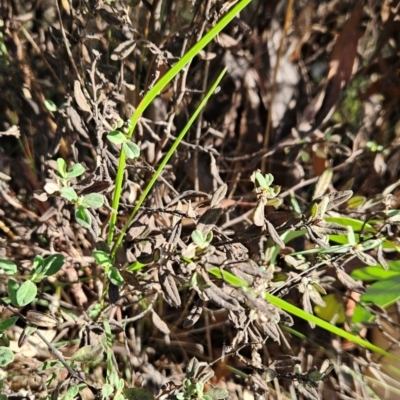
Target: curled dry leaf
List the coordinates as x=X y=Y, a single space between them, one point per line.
x=80 y=97
x=39 y=319
x=348 y=281
x=194 y=315
x=381 y=258
x=123 y=50
x=219 y=195
x=274 y=234
x=258 y=217
x=208 y=220
x=329 y=228
x=159 y=323
x=77 y=123
x=337 y=198
x=170 y=290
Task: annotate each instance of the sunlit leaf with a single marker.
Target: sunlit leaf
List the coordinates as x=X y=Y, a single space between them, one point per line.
x=384 y=292
x=6 y=356
x=8 y=267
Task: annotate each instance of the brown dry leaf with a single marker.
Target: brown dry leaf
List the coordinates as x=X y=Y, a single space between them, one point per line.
x=348 y=281
x=159 y=323
x=208 y=220
x=258 y=217
x=219 y=195
x=342 y=62
x=194 y=315
x=170 y=290
x=274 y=234
x=323 y=183
x=123 y=50
x=381 y=259
x=337 y=198
x=39 y=319
x=80 y=97
x=77 y=123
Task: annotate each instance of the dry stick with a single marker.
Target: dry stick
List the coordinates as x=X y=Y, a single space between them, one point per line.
x=66 y=44
x=267 y=134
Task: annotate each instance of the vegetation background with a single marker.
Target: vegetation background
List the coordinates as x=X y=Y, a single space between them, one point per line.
x=310 y=95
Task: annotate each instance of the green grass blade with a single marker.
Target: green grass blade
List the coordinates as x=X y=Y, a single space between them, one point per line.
x=151 y=94
x=291 y=309
x=165 y=160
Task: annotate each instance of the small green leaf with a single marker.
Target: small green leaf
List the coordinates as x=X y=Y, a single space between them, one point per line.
x=71 y=392
x=314 y=211
x=7 y=323
x=199 y=387
x=116 y=137
x=37 y=270
x=274 y=202
x=269 y=178
x=350 y=236
x=132 y=150
x=261 y=180
x=88 y=353
x=62 y=167
x=93 y=200
x=8 y=267
x=69 y=194
x=120 y=384
x=115 y=277
x=106 y=390
x=25 y=294
x=356 y=201
x=50 y=105
x=12 y=290
x=46 y=267
x=113 y=375
x=53 y=264
x=76 y=170
x=137 y=394
x=6 y=356
x=102 y=258
x=197 y=237
x=83 y=217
